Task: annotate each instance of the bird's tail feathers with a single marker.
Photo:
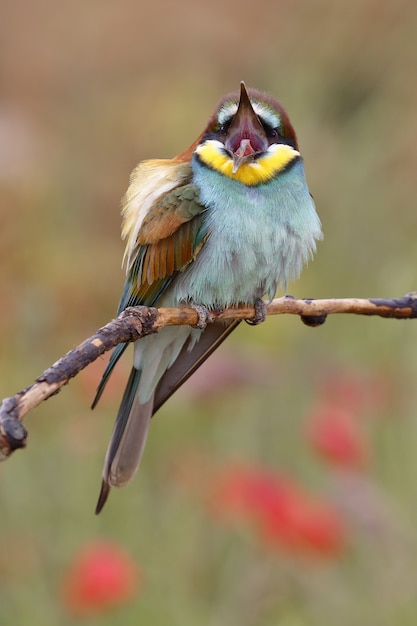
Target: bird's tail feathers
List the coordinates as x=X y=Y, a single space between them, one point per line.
x=128 y=439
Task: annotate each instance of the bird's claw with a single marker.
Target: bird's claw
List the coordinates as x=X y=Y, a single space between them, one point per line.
x=260 y=313
x=204 y=315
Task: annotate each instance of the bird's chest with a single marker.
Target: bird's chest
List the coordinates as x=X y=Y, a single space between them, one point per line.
x=242 y=257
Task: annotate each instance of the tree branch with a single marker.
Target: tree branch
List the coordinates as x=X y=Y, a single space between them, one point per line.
x=137 y=322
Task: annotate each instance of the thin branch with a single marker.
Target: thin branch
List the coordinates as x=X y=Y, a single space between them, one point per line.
x=137 y=322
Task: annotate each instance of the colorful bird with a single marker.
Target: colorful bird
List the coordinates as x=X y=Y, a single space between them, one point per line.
x=224 y=223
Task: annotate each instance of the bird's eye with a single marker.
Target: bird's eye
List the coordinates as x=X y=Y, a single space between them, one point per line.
x=271 y=132
x=223 y=128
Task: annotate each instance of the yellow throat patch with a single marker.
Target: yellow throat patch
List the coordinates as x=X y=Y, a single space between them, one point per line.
x=261 y=170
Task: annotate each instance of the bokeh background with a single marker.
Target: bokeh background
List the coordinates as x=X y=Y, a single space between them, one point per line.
x=279 y=486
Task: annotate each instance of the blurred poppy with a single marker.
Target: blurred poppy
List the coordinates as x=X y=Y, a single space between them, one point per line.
x=281 y=511
x=337 y=436
x=101 y=576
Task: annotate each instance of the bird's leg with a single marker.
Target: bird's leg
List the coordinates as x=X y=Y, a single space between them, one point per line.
x=260 y=312
x=204 y=315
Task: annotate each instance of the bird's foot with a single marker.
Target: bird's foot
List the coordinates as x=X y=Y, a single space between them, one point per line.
x=204 y=315
x=260 y=313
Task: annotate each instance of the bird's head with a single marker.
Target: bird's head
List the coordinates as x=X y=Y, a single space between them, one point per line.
x=249 y=138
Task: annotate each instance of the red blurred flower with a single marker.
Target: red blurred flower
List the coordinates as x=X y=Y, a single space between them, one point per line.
x=100 y=577
x=337 y=436
x=281 y=511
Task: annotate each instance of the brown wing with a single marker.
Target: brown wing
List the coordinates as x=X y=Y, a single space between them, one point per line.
x=154 y=261
x=170 y=236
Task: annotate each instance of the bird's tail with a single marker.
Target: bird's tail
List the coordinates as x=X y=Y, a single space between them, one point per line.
x=128 y=439
x=163 y=363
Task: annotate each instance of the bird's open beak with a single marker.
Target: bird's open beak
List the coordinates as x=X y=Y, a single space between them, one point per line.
x=246 y=135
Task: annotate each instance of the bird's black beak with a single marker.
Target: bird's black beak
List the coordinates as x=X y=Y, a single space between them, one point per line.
x=246 y=135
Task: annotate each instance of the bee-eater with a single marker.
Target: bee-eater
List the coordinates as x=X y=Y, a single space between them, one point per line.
x=224 y=223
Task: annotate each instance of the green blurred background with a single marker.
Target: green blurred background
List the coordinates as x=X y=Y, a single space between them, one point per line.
x=87 y=90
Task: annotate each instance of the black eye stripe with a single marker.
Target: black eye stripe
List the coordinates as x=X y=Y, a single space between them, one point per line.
x=269 y=130
x=275 y=134
x=224 y=126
